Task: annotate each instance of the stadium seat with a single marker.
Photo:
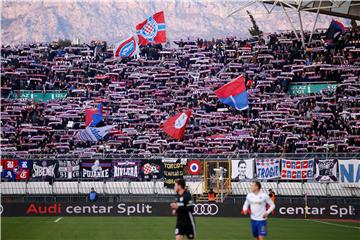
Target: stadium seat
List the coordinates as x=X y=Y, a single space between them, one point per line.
x=236 y=190
x=116 y=188
x=13 y=188
x=240 y=188
x=267 y=185
x=39 y=188
x=354 y=188
x=195 y=187
x=142 y=187
x=356 y=191
x=85 y=187
x=315 y=189
x=160 y=189
x=337 y=189
x=290 y=189
x=66 y=187
x=245 y=186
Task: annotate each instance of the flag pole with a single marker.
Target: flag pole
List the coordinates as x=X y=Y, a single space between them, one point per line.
x=306 y=205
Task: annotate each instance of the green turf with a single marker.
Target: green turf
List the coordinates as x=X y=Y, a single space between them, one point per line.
x=158 y=228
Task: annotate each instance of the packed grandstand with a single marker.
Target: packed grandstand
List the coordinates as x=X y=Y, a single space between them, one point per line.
x=150 y=132
x=301 y=100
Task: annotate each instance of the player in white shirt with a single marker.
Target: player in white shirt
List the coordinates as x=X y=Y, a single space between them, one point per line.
x=257 y=201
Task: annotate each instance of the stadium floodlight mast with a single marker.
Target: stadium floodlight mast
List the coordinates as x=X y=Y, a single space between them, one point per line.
x=221 y=171
x=346 y=9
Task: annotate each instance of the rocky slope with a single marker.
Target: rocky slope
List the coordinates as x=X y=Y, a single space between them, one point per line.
x=26 y=21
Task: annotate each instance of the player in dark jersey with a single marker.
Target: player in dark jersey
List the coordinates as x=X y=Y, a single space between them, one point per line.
x=183 y=208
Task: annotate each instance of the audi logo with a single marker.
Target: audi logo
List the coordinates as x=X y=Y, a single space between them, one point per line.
x=206 y=209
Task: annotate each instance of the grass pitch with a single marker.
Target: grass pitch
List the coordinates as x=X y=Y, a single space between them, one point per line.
x=162 y=228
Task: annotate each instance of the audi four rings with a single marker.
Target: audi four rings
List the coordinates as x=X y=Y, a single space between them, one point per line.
x=206 y=209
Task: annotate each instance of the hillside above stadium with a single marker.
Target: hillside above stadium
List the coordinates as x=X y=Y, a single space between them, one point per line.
x=44 y=21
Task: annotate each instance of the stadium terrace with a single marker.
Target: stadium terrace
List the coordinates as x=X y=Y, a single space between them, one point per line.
x=301 y=100
x=261 y=126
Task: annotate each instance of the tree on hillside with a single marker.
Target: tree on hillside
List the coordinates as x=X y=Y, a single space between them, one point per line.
x=64 y=43
x=254 y=30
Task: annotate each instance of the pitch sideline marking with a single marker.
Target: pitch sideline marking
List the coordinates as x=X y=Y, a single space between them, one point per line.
x=57 y=220
x=334 y=224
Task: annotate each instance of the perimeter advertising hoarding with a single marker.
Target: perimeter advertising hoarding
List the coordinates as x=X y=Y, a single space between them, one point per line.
x=335 y=211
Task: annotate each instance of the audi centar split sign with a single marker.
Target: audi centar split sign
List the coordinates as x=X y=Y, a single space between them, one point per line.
x=285 y=210
x=121 y=208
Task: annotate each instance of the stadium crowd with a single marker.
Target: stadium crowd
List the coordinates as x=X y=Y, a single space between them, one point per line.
x=139 y=94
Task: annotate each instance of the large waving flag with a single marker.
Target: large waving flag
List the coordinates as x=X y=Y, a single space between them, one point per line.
x=126 y=48
x=152 y=30
x=175 y=126
x=234 y=94
x=335 y=29
x=93 y=116
x=93 y=134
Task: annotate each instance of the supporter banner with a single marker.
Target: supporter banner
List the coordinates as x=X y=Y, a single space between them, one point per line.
x=126 y=48
x=234 y=94
x=267 y=168
x=173 y=169
x=152 y=30
x=69 y=169
x=305 y=89
x=15 y=169
x=297 y=169
x=175 y=126
x=150 y=169
x=242 y=169
x=94 y=134
x=45 y=169
x=326 y=170
x=284 y=209
x=194 y=167
x=95 y=169
x=125 y=168
x=41 y=97
x=349 y=171
x=94 y=116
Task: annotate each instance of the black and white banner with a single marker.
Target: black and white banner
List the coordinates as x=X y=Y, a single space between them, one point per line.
x=242 y=169
x=173 y=169
x=126 y=169
x=95 y=168
x=326 y=170
x=45 y=169
x=69 y=169
x=150 y=169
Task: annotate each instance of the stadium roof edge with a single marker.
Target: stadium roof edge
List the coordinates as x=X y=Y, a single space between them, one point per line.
x=345 y=9
x=348 y=9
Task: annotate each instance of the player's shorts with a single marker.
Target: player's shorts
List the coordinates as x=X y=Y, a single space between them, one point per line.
x=185 y=230
x=259 y=228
